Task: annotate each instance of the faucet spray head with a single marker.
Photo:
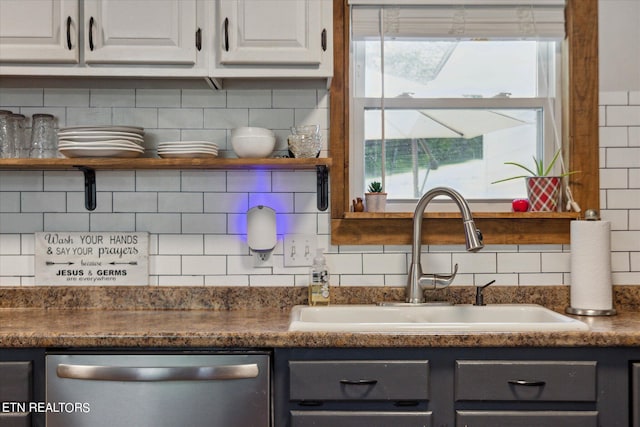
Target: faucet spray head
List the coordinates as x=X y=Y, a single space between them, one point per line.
x=472 y=237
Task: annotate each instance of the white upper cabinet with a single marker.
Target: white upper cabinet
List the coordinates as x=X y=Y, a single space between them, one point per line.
x=140 y=31
x=39 y=31
x=274 y=38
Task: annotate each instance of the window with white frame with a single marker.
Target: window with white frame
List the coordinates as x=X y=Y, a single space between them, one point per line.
x=444 y=93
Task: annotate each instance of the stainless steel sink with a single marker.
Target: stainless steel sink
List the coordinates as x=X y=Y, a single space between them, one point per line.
x=426 y=318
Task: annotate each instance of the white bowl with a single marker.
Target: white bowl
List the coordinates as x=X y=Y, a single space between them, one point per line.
x=256 y=146
x=251 y=131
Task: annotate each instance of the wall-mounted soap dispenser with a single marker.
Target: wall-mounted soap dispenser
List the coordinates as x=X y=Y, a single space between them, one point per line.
x=261 y=233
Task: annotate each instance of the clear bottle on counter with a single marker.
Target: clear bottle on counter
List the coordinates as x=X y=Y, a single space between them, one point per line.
x=319 y=292
x=44 y=140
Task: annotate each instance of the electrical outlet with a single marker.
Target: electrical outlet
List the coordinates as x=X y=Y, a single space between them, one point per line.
x=299 y=250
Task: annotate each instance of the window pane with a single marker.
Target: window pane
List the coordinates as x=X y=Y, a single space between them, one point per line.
x=453 y=69
x=460 y=148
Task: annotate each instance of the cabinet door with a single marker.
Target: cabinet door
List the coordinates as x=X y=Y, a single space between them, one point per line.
x=16 y=387
x=526 y=418
x=140 y=31
x=39 y=31
x=271 y=31
x=635 y=393
x=360 y=419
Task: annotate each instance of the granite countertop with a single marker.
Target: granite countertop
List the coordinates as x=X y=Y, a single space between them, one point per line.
x=141 y=317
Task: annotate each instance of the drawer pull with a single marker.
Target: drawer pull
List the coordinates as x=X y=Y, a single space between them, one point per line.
x=528 y=383
x=359 y=382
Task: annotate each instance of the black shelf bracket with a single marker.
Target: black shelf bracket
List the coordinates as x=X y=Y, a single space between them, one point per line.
x=322 y=172
x=89 y=187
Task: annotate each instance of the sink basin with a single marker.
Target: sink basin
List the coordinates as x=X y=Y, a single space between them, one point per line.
x=429 y=318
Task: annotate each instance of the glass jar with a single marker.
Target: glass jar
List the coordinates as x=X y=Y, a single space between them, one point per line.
x=21 y=145
x=44 y=141
x=7 y=135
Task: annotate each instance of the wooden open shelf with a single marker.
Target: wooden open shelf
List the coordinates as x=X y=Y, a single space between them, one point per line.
x=88 y=166
x=154 y=163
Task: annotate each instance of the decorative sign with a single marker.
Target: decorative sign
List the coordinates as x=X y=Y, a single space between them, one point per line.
x=112 y=258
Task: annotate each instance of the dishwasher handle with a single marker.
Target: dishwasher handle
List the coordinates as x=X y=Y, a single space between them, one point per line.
x=169 y=373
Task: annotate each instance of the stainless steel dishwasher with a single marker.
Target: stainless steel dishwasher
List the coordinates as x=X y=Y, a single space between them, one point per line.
x=158 y=390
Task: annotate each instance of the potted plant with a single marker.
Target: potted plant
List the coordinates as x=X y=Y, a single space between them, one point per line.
x=543 y=190
x=375 y=198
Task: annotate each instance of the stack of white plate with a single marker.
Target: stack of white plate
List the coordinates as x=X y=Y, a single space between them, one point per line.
x=187 y=149
x=101 y=141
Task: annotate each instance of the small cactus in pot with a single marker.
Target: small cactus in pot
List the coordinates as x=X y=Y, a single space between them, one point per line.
x=375 y=198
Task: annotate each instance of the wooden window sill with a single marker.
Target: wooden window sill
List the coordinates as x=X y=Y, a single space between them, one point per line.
x=445 y=228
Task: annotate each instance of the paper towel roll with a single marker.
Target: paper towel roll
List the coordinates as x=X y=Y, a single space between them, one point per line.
x=591 y=287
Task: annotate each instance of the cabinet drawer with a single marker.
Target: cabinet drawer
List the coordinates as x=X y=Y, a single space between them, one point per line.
x=526 y=418
x=360 y=418
x=359 y=380
x=15 y=385
x=525 y=381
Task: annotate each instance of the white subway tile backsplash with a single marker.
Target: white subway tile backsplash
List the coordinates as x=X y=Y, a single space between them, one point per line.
x=21 y=222
x=623 y=158
x=158 y=180
x=180 y=202
x=203 y=98
x=249 y=181
x=613 y=178
x=135 y=202
x=112 y=98
x=249 y=99
x=43 y=202
x=623 y=199
x=66 y=222
x=162 y=265
x=10 y=244
x=295 y=181
x=204 y=265
x=294 y=99
x=170 y=244
x=204 y=223
x=24 y=97
x=614 y=98
x=345 y=263
x=10 y=201
x=66 y=97
x=112 y=222
x=21 y=180
x=188 y=118
x=16 y=265
x=82 y=116
x=281 y=118
x=158 y=222
x=475 y=262
x=197 y=218
x=614 y=136
x=384 y=263
x=519 y=263
x=158 y=98
x=229 y=118
x=142 y=117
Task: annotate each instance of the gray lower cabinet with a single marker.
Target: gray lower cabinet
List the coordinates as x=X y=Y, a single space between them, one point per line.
x=635 y=393
x=527 y=418
x=461 y=387
x=21 y=385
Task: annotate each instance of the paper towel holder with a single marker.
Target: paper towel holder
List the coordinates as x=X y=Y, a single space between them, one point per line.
x=590 y=215
x=261 y=232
